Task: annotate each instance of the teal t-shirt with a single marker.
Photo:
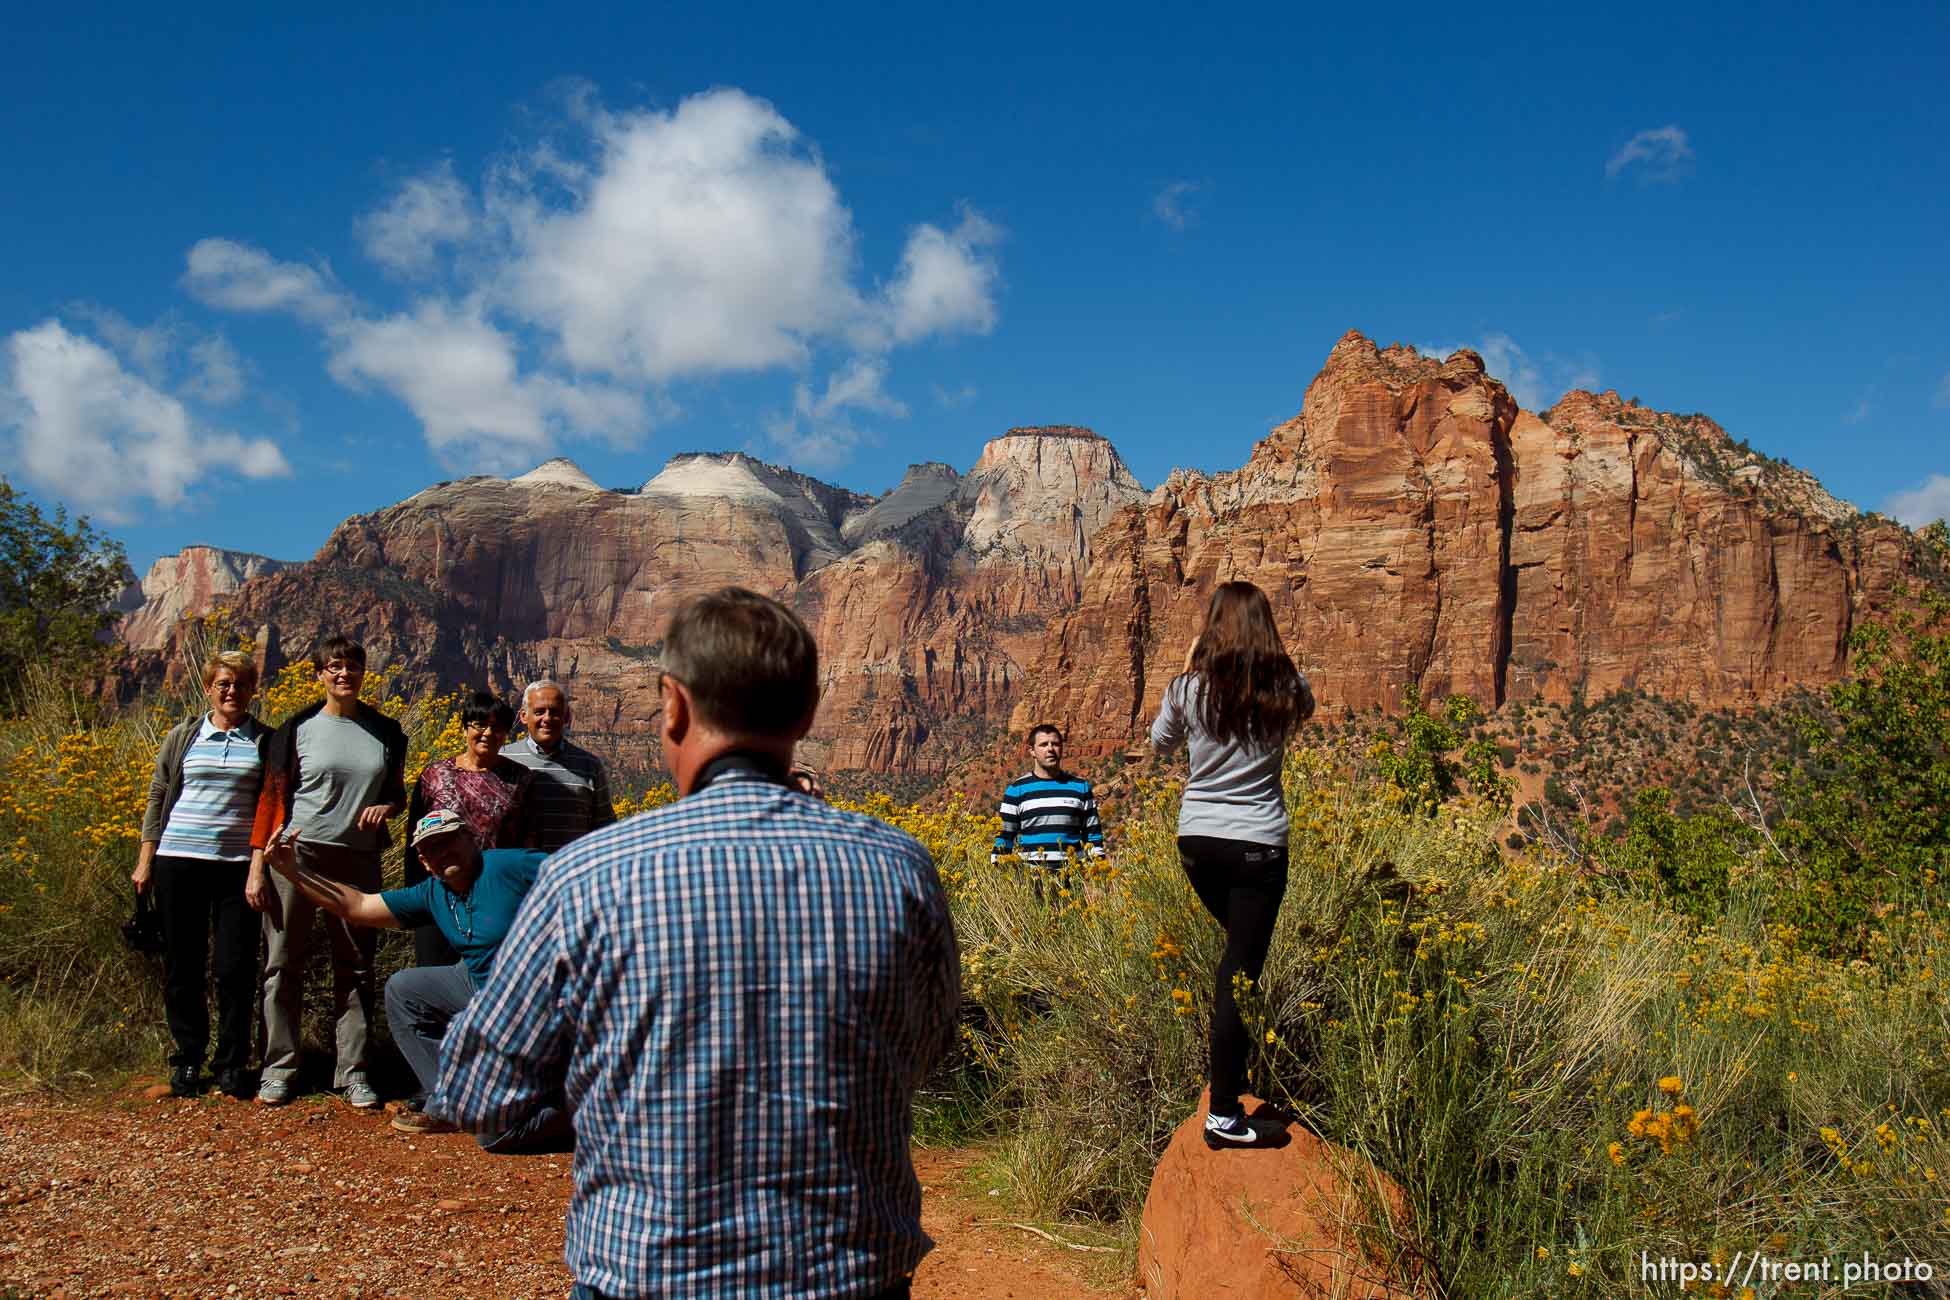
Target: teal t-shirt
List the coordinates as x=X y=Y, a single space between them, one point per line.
x=475 y=924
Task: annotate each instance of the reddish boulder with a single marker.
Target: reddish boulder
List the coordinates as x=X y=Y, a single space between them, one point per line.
x=1265 y=1224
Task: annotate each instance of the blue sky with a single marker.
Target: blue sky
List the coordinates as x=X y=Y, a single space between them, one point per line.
x=265 y=274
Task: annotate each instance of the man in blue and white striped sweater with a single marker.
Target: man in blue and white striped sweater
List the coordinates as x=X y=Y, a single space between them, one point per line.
x=1048 y=815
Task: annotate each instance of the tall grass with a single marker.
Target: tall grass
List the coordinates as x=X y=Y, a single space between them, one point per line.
x=1559 y=1078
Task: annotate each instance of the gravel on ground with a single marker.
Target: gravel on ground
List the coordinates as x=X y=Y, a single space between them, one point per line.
x=127 y=1195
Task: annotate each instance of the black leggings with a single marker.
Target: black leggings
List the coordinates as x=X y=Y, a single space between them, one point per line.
x=1241 y=885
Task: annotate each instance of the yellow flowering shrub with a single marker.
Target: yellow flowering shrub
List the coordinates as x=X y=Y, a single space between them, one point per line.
x=1532 y=1059
x=656 y=796
x=1557 y=1075
x=72 y=996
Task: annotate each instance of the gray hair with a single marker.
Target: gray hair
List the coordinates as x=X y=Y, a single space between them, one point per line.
x=545 y=684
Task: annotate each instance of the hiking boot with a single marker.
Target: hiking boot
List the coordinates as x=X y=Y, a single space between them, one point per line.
x=420 y=1123
x=1223 y=1131
x=274 y=1092
x=183 y=1081
x=359 y=1095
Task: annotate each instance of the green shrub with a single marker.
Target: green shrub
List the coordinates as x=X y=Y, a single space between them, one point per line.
x=1688 y=862
x=1867 y=814
x=57 y=583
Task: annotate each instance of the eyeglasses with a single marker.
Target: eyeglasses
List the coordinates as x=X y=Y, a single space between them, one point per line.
x=483 y=729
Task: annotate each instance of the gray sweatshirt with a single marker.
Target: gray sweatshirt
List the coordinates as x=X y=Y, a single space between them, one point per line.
x=1234 y=791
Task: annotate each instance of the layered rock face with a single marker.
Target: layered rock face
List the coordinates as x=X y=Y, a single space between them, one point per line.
x=927 y=602
x=1648 y=550
x=190 y=582
x=1413 y=526
x=927 y=627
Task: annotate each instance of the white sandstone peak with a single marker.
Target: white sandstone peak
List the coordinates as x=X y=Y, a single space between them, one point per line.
x=711 y=474
x=562 y=472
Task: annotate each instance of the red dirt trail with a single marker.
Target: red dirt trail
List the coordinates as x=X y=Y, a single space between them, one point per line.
x=128 y=1197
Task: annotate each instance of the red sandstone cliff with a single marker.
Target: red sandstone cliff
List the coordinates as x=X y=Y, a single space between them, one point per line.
x=928 y=602
x=1412 y=525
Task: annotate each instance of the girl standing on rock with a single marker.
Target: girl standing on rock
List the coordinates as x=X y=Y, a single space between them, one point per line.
x=1237 y=701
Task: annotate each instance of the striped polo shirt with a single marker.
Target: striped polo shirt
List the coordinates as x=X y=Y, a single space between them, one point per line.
x=570 y=794
x=222 y=772
x=1046 y=819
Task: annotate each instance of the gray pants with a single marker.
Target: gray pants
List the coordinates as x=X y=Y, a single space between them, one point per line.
x=287 y=936
x=420 y=1003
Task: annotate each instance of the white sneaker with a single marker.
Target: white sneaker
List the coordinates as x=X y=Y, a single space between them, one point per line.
x=1231 y=1131
x=359 y=1095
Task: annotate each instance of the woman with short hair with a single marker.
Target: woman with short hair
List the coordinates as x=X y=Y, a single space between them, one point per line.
x=488 y=791
x=195 y=855
x=1237 y=701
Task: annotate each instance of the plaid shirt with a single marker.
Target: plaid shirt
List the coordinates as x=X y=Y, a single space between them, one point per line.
x=742 y=991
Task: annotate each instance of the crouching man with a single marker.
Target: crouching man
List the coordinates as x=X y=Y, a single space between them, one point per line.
x=471 y=897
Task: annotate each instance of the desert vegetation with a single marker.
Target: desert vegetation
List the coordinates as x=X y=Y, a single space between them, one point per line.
x=1683 y=1029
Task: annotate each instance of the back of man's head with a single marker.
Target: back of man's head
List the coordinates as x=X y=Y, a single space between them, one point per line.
x=748 y=662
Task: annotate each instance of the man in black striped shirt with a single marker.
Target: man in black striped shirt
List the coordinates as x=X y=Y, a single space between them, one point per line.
x=1048 y=814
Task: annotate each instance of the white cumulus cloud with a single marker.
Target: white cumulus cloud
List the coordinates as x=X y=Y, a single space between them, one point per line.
x=458 y=371
x=860 y=384
x=461 y=377
x=697 y=241
x=819 y=432
x=159 y=350
x=218 y=374
x=1658 y=154
x=1925 y=503
x=88 y=430
x=428 y=212
x=946 y=281
x=238 y=277
x=149 y=348
x=631 y=252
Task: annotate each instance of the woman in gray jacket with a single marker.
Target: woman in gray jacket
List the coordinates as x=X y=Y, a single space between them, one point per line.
x=196 y=853
x=1237 y=701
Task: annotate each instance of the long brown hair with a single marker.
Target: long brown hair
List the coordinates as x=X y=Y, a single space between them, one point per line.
x=1253 y=693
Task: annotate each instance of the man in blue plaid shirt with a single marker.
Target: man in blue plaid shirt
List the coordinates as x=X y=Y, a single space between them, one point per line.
x=738 y=994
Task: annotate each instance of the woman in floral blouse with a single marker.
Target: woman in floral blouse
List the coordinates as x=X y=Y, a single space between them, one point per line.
x=488 y=791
